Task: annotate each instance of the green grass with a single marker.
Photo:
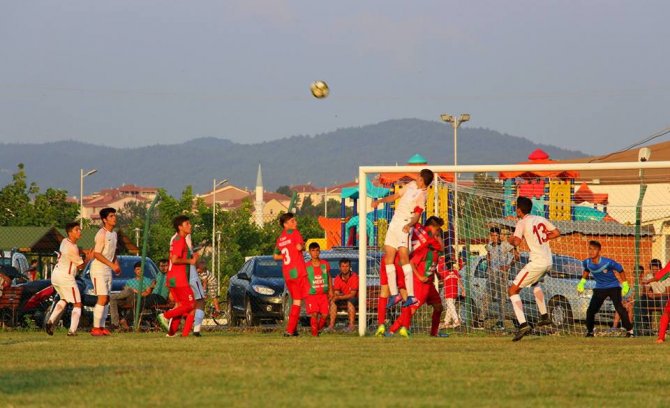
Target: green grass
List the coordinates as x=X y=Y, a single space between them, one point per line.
x=254 y=369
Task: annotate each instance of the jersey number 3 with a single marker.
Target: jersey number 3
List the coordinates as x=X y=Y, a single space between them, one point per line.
x=540 y=231
x=287 y=257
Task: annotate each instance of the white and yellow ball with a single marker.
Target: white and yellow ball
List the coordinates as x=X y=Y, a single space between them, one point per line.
x=319 y=89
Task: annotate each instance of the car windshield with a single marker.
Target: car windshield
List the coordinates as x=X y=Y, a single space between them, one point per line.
x=267 y=268
x=128 y=268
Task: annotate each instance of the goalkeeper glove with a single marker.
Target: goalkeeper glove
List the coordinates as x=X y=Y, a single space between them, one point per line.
x=625 y=288
x=580 y=286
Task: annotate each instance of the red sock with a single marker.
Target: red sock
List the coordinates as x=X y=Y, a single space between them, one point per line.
x=406 y=316
x=314 y=323
x=322 y=322
x=663 y=325
x=188 y=325
x=293 y=318
x=402 y=320
x=174 y=325
x=435 y=323
x=381 y=310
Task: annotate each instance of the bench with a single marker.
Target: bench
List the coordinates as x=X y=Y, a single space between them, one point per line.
x=9 y=304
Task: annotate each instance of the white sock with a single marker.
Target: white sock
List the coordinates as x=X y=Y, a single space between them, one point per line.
x=539 y=299
x=74 y=320
x=103 y=318
x=97 y=314
x=199 y=317
x=58 y=310
x=390 y=273
x=409 y=279
x=518 y=308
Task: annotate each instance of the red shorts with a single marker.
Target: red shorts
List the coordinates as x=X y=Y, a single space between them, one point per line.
x=182 y=294
x=425 y=293
x=399 y=275
x=317 y=304
x=297 y=288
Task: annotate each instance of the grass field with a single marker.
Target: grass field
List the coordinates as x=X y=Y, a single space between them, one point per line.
x=254 y=369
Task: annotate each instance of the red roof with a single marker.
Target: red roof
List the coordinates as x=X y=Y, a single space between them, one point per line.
x=306 y=188
x=585 y=195
x=539 y=156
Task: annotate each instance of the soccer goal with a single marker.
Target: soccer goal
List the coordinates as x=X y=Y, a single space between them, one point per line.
x=624 y=206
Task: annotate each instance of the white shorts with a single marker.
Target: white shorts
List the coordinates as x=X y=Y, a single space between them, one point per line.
x=198 y=291
x=66 y=287
x=102 y=284
x=531 y=274
x=396 y=237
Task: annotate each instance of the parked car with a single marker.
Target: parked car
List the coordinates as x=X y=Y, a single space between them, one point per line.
x=127 y=263
x=255 y=293
x=564 y=304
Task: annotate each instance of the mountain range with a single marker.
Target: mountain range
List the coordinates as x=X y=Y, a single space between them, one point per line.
x=323 y=159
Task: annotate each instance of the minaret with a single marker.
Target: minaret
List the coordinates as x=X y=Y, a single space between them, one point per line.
x=259 y=203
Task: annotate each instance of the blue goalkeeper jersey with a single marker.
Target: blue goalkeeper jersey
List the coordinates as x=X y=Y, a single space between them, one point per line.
x=603 y=272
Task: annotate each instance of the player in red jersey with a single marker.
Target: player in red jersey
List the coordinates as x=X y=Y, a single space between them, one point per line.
x=426 y=242
x=320 y=289
x=177 y=279
x=383 y=294
x=289 y=250
x=660 y=276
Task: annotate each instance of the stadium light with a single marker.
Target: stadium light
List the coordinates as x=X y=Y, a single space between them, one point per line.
x=215 y=184
x=83 y=175
x=455 y=123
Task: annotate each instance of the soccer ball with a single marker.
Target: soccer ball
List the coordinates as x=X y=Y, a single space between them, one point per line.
x=319 y=89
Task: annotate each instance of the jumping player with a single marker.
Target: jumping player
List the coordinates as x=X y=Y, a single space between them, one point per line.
x=289 y=249
x=537 y=231
x=177 y=279
x=412 y=202
x=102 y=266
x=320 y=289
x=610 y=283
x=63 y=280
x=426 y=242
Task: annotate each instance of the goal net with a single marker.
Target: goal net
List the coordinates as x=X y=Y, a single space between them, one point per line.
x=623 y=206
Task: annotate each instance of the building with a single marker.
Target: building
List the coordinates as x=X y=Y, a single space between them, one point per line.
x=116 y=198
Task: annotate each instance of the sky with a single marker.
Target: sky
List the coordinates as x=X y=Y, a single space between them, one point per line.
x=585 y=75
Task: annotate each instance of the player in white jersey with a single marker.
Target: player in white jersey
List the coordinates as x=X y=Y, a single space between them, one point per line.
x=102 y=266
x=63 y=280
x=198 y=290
x=536 y=231
x=411 y=204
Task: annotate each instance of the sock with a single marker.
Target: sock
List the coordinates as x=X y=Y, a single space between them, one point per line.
x=435 y=323
x=402 y=320
x=381 y=310
x=663 y=325
x=539 y=299
x=103 y=318
x=322 y=322
x=407 y=317
x=391 y=274
x=293 y=318
x=97 y=315
x=409 y=279
x=197 y=322
x=188 y=324
x=518 y=308
x=314 y=323
x=58 y=310
x=74 y=319
x=174 y=326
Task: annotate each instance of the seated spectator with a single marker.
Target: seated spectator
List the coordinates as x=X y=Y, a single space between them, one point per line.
x=159 y=295
x=32 y=272
x=345 y=294
x=652 y=297
x=130 y=290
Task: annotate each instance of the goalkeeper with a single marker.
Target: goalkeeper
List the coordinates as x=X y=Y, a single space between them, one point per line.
x=610 y=283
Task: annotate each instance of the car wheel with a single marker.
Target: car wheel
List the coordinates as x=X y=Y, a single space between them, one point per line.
x=233 y=321
x=249 y=317
x=560 y=312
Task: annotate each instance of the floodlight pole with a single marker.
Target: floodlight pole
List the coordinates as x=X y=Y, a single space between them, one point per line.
x=83 y=175
x=215 y=184
x=455 y=123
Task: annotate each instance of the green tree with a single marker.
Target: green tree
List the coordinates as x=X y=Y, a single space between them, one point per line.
x=286 y=190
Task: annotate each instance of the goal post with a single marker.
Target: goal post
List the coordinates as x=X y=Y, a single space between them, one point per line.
x=557 y=200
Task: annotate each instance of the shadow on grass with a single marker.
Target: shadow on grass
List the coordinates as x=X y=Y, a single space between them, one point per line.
x=15 y=382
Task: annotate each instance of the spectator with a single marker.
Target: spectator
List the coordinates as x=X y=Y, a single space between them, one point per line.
x=210 y=283
x=159 y=295
x=32 y=272
x=499 y=257
x=652 y=297
x=130 y=290
x=345 y=294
